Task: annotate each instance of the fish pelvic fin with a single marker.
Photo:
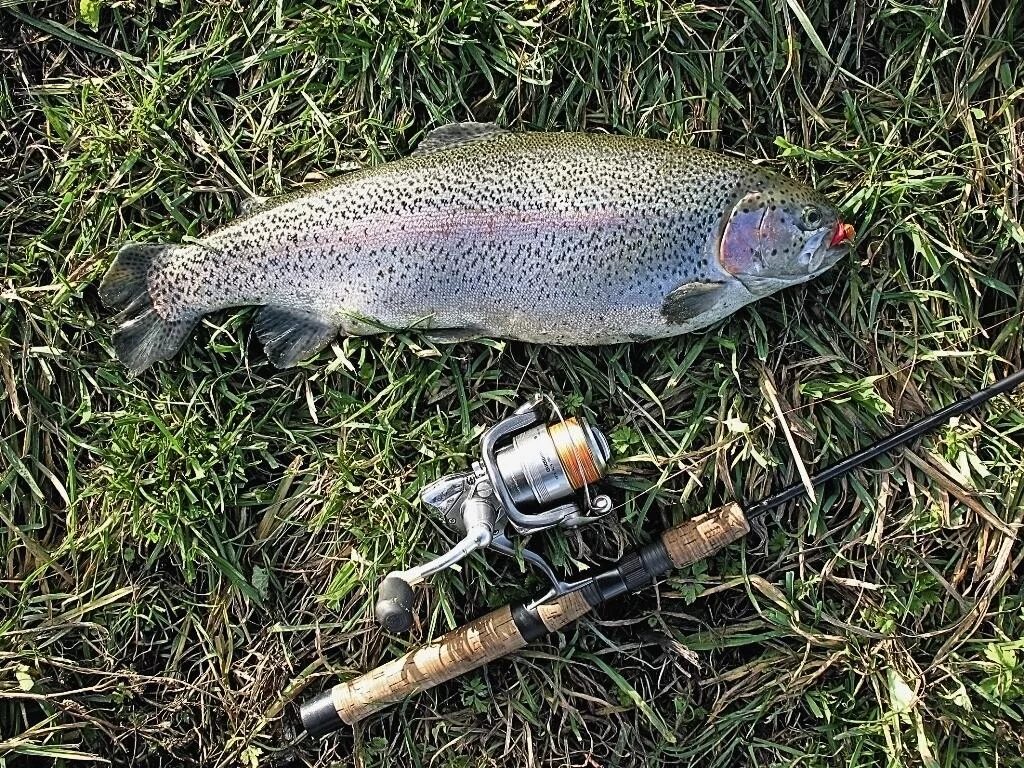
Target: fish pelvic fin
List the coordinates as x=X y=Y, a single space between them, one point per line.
x=142 y=336
x=452 y=335
x=289 y=336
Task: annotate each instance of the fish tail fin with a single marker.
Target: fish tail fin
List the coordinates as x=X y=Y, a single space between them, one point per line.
x=142 y=336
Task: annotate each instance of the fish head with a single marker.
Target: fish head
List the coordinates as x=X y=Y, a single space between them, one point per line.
x=782 y=234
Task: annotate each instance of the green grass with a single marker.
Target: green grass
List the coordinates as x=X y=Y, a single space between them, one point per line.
x=185 y=555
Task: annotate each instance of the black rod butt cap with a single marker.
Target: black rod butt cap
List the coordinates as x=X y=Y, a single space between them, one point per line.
x=319 y=717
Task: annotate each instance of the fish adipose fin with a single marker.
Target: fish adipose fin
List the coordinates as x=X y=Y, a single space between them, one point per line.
x=291 y=335
x=142 y=336
x=457 y=135
x=689 y=300
x=253 y=205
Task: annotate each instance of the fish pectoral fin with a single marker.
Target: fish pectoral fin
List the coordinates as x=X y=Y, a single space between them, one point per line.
x=289 y=336
x=452 y=335
x=689 y=300
x=457 y=134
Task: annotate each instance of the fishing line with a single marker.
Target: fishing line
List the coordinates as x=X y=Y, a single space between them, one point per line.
x=575 y=454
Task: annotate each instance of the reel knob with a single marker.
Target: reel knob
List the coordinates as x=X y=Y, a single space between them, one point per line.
x=394 y=605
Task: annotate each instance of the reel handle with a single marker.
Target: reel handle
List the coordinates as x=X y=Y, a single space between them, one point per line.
x=395 y=601
x=395 y=597
x=499 y=633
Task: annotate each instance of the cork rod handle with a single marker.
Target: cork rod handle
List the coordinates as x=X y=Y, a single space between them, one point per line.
x=455 y=653
x=702 y=536
x=497 y=634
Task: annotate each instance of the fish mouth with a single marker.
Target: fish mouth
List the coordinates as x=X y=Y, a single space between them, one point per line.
x=830 y=251
x=843 y=235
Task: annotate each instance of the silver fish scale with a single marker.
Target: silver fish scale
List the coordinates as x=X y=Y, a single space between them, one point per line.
x=558 y=238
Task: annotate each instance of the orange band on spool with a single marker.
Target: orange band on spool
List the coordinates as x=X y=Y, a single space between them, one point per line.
x=574 y=452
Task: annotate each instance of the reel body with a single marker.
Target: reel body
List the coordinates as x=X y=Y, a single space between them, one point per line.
x=532 y=475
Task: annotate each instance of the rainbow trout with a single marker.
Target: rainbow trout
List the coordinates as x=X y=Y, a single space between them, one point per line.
x=557 y=238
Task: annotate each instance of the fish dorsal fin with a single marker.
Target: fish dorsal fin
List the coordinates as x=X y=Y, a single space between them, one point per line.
x=457 y=135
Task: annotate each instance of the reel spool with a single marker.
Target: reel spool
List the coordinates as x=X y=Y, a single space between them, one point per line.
x=552 y=461
x=532 y=475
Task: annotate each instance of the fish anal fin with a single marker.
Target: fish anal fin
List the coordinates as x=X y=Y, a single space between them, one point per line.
x=289 y=336
x=689 y=300
x=451 y=335
x=457 y=135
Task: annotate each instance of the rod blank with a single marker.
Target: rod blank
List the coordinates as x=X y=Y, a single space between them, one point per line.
x=895 y=440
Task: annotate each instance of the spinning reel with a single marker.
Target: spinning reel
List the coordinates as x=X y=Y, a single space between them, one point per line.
x=532 y=475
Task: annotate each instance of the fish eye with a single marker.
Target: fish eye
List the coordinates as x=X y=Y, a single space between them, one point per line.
x=811 y=217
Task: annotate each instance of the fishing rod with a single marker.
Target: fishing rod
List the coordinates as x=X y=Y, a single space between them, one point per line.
x=545 y=463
